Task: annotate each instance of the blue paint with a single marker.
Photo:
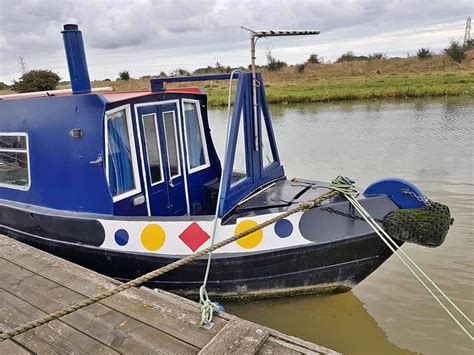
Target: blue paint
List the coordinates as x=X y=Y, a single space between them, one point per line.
x=76 y=59
x=62 y=176
x=220 y=307
x=66 y=173
x=395 y=189
x=121 y=237
x=167 y=198
x=198 y=179
x=283 y=228
x=257 y=175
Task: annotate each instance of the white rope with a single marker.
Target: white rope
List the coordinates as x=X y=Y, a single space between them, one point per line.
x=348 y=190
x=207 y=307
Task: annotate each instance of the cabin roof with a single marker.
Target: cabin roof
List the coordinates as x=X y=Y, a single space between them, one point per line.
x=110 y=96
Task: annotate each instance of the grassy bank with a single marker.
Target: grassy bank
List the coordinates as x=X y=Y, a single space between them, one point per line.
x=384 y=78
x=363 y=88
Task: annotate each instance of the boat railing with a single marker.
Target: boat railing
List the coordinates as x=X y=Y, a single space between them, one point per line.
x=158 y=84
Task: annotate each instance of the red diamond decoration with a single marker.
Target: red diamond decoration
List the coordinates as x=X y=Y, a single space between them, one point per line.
x=194 y=236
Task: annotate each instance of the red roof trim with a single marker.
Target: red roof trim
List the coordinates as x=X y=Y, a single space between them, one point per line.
x=116 y=96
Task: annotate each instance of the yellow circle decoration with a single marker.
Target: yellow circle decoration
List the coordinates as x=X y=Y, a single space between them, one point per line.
x=153 y=237
x=252 y=240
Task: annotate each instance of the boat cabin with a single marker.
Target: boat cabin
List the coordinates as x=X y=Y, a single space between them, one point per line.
x=140 y=153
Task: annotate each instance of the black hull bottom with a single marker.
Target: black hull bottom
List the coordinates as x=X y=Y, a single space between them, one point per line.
x=331 y=267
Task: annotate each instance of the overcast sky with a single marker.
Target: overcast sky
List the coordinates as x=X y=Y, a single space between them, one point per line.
x=150 y=36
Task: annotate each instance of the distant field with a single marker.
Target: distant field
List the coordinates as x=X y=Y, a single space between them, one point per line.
x=385 y=78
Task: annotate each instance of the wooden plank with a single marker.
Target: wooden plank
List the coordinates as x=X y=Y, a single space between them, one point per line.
x=11 y=348
x=162 y=310
x=53 y=337
x=98 y=321
x=271 y=348
x=178 y=319
x=276 y=346
x=298 y=344
x=237 y=337
x=279 y=341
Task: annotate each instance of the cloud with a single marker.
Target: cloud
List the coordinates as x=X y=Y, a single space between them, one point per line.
x=167 y=34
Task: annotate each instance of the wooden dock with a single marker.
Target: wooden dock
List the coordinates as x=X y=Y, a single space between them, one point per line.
x=34 y=283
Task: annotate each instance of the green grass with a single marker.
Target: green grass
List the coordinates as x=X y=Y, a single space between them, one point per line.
x=361 y=88
x=361 y=80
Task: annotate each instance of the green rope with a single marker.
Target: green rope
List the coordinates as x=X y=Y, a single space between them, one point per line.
x=207 y=307
x=345 y=186
x=174 y=265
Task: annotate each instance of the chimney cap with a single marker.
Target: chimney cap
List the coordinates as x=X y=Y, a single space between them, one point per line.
x=71 y=27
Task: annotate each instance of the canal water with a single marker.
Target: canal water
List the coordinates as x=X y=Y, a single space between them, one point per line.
x=427 y=141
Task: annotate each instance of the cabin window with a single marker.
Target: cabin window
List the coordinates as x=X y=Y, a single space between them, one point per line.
x=121 y=163
x=171 y=135
x=267 y=154
x=14 y=164
x=153 y=148
x=195 y=139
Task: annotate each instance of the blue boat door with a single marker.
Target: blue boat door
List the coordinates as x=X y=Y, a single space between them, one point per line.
x=164 y=170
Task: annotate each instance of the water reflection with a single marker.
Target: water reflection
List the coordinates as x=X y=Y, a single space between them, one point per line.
x=427 y=141
x=341 y=320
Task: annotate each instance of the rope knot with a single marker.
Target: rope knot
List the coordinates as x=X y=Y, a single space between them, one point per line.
x=207 y=307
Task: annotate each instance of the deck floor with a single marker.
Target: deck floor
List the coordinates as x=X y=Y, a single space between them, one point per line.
x=34 y=283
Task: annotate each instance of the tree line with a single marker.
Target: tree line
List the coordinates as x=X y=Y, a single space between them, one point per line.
x=43 y=80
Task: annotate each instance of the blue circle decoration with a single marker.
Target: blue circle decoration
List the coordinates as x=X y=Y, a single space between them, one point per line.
x=121 y=237
x=283 y=228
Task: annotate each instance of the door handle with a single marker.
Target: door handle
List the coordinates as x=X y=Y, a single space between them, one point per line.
x=98 y=161
x=139 y=200
x=170 y=183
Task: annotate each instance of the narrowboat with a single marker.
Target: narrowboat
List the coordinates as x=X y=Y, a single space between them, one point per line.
x=126 y=182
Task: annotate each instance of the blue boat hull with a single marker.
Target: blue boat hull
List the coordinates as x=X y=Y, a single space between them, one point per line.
x=330 y=267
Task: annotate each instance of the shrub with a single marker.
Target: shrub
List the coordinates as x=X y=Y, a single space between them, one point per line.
x=107 y=79
x=274 y=64
x=3 y=86
x=456 y=51
x=124 y=75
x=300 y=67
x=377 y=56
x=205 y=70
x=180 y=72
x=424 y=53
x=314 y=59
x=36 y=80
x=346 y=57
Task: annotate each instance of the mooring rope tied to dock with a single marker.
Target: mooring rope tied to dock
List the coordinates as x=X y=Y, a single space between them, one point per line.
x=174 y=265
x=345 y=186
x=207 y=306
